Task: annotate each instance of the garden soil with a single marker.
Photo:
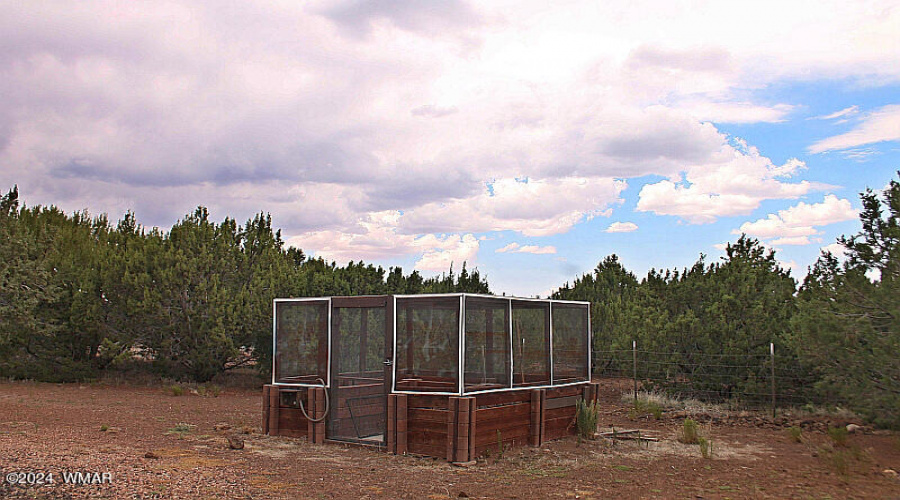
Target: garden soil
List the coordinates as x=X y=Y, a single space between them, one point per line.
x=133 y=441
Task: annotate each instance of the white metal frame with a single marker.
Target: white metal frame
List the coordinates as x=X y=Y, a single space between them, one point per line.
x=461 y=343
x=461 y=347
x=550 y=314
x=275 y=341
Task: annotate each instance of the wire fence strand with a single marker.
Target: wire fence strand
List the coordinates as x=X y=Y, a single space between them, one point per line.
x=752 y=380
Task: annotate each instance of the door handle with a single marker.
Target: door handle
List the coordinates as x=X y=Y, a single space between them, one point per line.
x=388 y=362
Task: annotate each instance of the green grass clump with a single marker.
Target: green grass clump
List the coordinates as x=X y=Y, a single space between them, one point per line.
x=209 y=390
x=586 y=415
x=643 y=407
x=181 y=429
x=838 y=435
x=796 y=434
x=689 y=432
x=839 y=461
x=176 y=390
x=705 y=447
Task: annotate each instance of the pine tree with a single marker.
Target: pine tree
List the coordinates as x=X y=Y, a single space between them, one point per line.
x=848 y=327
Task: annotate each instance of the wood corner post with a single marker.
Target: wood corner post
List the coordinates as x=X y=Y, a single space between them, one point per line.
x=274 y=410
x=391 y=424
x=452 y=410
x=461 y=429
x=265 y=410
x=320 y=414
x=402 y=424
x=536 y=426
x=397 y=424
x=315 y=408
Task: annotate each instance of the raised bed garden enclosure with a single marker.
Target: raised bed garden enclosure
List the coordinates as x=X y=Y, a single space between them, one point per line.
x=447 y=375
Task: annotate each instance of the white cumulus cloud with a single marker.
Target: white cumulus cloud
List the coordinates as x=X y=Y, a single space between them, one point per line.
x=734 y=186
x=835 y=249
x=535 y=249
x=621 y=227
x=797 y=224
x=385 y=129
x=532 y=207
x=376 y=237
x=454 y=250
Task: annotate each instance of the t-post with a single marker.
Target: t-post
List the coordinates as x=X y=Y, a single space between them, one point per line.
x=772 y=362
x=634 y=367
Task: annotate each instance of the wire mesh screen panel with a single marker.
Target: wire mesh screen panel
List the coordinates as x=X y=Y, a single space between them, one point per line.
x=358 y=397
x=301 y=341
x=427 y=350
x=531 y=343
x=487 y=344
x=570 y=343
x=360 y=337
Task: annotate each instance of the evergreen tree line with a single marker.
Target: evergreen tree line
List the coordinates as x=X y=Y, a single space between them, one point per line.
x=80 y=295
x=705 y=331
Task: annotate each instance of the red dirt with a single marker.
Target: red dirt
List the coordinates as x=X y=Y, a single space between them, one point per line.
x=53 y=428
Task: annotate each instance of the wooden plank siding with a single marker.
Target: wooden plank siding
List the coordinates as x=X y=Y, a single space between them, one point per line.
x=358 y=408
x=458 y=428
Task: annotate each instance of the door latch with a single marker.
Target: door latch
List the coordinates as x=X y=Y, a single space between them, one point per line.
x=388 y=362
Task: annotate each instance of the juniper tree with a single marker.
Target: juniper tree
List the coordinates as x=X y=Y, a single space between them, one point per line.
x=848 y=326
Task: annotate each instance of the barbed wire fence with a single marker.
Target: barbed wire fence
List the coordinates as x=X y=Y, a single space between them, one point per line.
x=757 y=380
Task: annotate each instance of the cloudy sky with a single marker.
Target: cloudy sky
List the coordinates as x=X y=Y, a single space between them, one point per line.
x=530 y=139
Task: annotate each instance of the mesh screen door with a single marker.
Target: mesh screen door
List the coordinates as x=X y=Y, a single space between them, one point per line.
x=358 y=397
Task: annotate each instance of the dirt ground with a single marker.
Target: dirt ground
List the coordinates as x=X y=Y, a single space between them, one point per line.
x=154 y=444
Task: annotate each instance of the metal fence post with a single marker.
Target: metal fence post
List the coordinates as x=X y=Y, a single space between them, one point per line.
x=634 y=367
x=772 y=360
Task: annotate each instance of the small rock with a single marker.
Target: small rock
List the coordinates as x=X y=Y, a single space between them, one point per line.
x=891 y=473
x=222 y=427
x=150 y=454
x=462 y=494
x=235 y=443
x=853 y=428
x=465 y=464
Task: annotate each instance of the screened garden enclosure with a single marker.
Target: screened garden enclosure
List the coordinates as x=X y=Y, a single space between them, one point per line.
x=444 y=375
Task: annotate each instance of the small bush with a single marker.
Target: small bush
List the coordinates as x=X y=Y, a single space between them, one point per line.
x=586 y=415
x=655 y=402
x=181 y=429
x=689 y=433
x=209 y=390
x=705 y=447
x=176 y=390
x=838 y=435
x=643 y=407
x=796 y=434
x=839 y=461
x=104 y=428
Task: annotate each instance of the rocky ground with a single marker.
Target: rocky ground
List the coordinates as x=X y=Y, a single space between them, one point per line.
x=146 y=442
